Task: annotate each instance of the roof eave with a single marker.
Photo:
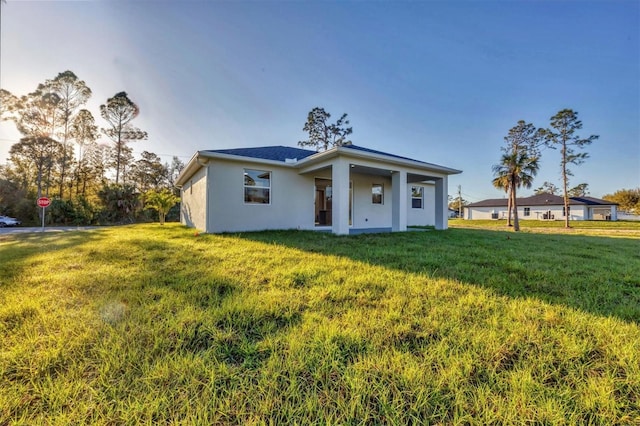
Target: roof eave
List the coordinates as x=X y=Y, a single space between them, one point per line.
x=345 y=150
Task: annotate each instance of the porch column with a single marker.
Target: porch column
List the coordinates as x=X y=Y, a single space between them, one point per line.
x=340 y=197
x=441 y=203
x=399 y=200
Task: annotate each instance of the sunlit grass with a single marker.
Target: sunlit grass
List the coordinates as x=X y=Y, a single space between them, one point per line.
x=149 y=324
x=577 y=227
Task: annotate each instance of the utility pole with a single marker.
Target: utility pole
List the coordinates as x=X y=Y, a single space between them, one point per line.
x=460 y=201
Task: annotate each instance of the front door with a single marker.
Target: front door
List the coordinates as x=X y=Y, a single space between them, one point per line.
x=323 y=202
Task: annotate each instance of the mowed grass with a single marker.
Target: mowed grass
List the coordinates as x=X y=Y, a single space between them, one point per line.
x=576 y=227
x=154 y=325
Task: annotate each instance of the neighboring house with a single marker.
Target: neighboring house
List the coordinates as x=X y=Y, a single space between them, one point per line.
x=346 y=189
x=544 y=207
x=623 y=215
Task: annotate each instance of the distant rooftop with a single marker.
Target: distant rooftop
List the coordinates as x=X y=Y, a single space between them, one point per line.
x=542 y=200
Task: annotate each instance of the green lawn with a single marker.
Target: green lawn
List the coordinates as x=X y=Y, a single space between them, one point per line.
x=158 y=325
x=576 y=226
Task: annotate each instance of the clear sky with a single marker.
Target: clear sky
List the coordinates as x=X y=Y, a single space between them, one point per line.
x=437 y=81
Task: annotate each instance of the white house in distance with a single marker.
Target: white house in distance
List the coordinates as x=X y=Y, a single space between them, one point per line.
x=544 y=207
x=346 y=189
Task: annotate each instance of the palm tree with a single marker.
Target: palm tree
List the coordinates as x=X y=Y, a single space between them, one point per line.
x=515 y=171
x=162 y=201
x=502 y=182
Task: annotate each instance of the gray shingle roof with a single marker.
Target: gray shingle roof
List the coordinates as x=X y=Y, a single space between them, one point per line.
x=275 y=153
x=281 y=153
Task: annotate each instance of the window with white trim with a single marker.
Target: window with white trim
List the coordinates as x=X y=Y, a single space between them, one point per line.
x=527 y=211
x=564 y=213
x=257 y=186
x=417 y=197
x=377 y=193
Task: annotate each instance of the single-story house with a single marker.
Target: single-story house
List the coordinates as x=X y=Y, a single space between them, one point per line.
x=346 y=189
x=544 y=207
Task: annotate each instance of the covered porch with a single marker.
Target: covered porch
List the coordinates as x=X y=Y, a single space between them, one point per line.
x=343 y=206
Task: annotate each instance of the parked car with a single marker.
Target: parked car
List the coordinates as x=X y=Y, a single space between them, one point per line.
x=8 y=221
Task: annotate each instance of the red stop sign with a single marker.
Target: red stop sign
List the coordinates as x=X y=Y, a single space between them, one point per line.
x=43 y=202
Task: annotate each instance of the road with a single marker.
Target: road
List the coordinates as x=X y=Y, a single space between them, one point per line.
x=26 y=229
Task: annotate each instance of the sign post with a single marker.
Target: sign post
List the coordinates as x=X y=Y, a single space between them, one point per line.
x=43 y=202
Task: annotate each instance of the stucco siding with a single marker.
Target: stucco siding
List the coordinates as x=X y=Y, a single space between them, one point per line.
x=365 y=213
x=424 y=216
x=193 y=205
x=290 y=207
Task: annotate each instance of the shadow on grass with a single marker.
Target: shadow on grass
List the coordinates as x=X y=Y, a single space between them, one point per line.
x=197 y=309
x=596 y=274
x=18 y=251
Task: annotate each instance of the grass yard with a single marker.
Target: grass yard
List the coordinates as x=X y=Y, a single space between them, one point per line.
x=585 y=227
x=155 y=325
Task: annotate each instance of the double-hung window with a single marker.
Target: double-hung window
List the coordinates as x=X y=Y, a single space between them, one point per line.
x=257 y=186
x=527 y=211
x=417 y=197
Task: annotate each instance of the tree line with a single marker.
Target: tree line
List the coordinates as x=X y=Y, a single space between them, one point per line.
x=89 y=171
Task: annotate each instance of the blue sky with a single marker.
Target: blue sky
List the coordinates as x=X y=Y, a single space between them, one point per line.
x=441 y=82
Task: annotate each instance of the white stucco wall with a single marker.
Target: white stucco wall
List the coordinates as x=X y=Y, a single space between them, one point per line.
x=213 y=199
x=291 y=206
x=365 y=213
x=369 y=215
x=194 y=199
x=426 y=215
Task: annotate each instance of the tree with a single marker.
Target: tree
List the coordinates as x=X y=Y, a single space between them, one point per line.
x=93 y=173
x=502 y=181
x=118 y=112
x=8 y=105
x=174 y=170
x=547 y=188
x=628 y=199
x=323 y=135
x=517 y=169
x=518 y=165
x=32 y=160
x=566 y=123
x=38 y=112
x=457 y=203
x=149 y=172
x=162 y=201
x=580 y=190
x=120 y=203
x=72 y=94
x=84 y=131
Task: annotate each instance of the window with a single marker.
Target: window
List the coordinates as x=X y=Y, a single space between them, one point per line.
x=257 y=186
x=377 y=193
x=416 y=197
x=564 y=213
x=527 y=211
